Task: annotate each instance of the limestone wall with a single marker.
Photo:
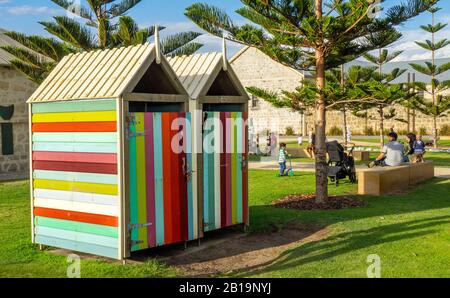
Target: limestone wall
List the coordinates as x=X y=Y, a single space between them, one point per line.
x=15 y=90
x=254 y=68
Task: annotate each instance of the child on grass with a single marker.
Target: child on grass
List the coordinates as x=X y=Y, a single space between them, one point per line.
x=282 y=159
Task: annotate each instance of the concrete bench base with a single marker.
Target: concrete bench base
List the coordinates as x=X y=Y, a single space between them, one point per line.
x=361 y=155
x=384 y=180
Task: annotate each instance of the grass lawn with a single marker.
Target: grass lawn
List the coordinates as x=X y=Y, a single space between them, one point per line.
x=409 y=232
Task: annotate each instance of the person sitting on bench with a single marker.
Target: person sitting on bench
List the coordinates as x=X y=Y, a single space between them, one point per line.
x=391 y=154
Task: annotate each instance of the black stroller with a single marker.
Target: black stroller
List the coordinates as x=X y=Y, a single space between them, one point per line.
x=340 y=164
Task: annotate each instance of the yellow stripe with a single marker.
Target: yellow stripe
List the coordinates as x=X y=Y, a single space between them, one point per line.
x=75 y=117
x=107 y=189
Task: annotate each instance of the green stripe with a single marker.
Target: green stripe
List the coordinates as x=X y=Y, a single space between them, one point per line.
x=76 y=226
x=74 y=106
x=77 y=137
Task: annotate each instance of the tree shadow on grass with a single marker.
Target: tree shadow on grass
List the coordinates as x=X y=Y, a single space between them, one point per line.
x=343 y=243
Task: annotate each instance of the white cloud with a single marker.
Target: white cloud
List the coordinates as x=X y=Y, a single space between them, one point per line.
x=28 y=9
x=4 y=1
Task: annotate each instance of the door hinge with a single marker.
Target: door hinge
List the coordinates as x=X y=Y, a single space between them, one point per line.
x=139 y=226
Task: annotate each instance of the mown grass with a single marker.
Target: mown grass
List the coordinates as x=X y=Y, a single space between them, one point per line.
x=409 y=232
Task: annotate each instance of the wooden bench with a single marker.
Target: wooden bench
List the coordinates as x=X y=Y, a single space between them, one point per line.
x=384 y=180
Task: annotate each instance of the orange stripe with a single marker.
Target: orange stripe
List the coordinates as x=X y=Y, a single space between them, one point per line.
x=110 y=126
x=105 y=220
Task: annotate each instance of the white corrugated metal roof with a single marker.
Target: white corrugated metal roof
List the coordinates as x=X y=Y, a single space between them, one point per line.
x=95 y=74
x=195 y=70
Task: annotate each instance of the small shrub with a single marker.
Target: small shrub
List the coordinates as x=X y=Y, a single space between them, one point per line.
x=402 y=132
x=369 y=131
x=289 y=131
x=335 y=131
x=422 y=131
x=445 y=130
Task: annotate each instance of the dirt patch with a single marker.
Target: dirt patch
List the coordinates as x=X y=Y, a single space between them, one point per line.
x=248 y=253
x=307 y=202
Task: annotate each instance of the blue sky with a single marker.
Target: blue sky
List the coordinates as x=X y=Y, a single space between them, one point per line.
x=23 y=15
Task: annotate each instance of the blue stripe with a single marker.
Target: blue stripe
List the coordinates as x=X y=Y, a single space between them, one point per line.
x=78 y=246
x=189 y=184
x=159 y=190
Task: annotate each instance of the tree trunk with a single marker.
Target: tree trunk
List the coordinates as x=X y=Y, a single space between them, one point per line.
x=435 y=133
x=381 y=126
x=321 y=158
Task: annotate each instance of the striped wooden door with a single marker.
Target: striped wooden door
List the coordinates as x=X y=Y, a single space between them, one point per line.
x=225 y=201
x=160 y=188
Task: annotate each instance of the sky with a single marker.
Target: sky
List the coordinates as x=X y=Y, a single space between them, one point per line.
x=24 y=15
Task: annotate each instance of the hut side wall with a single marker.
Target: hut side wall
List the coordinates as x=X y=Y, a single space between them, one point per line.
x=75 y=196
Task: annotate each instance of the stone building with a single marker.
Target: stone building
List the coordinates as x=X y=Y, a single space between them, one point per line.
x=14 y=91
x=254 y=68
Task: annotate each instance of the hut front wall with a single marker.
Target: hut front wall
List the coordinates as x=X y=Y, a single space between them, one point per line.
x=161 y=203
x=75 y=195
x=225 y=176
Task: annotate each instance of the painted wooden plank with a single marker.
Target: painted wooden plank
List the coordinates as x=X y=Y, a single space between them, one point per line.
x=150 y=178
x=74 y=106
x=75 y=117
x=75 y=167
x=76 y=137
x=77 y=236
x=133 y=183
x=245 y=171
x=218 y=137
x=75 y=147
x=239 y=141
x=75 y=177
x=159 y=185
x=223 y=174
x=206 y=183
x=82 y=197
x=211 y=188
x=229 y=142
x=167 y=177
x=108 y=158
x=77 y=206
x=76 y=216
x=233 y=169
x=190 y=195
x=78 y=246
x=104 y=126
x=177 y=198
x=76 y=226
x=141 y=180
x=106 y=189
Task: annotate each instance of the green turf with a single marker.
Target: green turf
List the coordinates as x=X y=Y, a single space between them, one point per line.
x=409 y=232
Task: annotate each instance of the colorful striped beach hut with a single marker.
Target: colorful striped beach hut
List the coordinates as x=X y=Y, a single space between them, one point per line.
x=220 y=138
x=104 y=179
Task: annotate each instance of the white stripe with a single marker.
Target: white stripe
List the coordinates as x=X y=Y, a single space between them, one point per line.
x=77 y=206
x=76 y=176
x=73 y=196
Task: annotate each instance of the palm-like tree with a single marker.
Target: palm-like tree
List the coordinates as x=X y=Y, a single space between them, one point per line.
x=103 y=25
x=440 y=104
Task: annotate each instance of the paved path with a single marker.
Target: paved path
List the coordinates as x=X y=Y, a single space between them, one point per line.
x=309 y=167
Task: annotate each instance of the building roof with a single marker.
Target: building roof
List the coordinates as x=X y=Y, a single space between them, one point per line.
x=98 y=74
x=5 y=57
x=194 y=71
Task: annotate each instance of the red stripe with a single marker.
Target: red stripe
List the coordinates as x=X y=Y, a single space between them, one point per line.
x=75 y=167
x=98 y=219
x=109 y=126
x=167 y=177
x=108 y=158
x=183 y=190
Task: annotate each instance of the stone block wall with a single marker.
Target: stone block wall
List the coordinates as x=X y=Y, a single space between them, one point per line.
x=15 y=90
